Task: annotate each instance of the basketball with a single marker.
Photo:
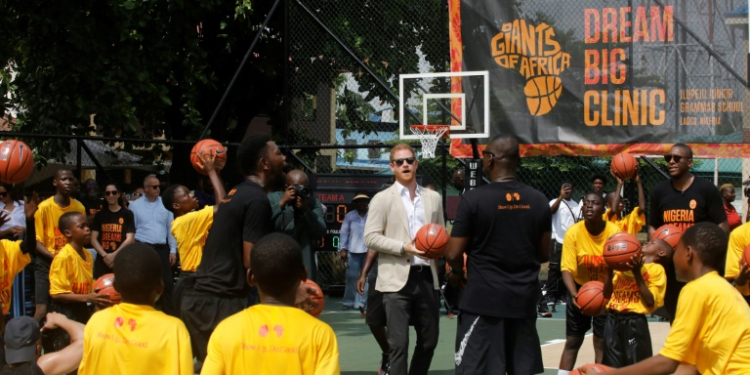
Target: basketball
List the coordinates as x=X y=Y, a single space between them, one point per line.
x=595 y=366
x=619 y=249
x=542 y=93
x=669 y=233
x=746 y=255
x=590 y=298
x=208 y=147
x=104 y=286
x=624 y=166
x=432 y=239
x=317 y=297
x=16 y=161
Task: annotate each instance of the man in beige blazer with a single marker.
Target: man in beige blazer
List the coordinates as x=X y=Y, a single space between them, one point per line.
x=408 y=281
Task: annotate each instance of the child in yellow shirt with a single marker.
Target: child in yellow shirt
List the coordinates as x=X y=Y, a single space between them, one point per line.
x=273 y=337
x=71 y=273
x=190 y=227
x=133 y=337
x=711 y=329
x=634 y=221
x=632 y=295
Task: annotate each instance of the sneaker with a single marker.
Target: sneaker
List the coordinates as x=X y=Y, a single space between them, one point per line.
x=385 y=365
x=545 y=314
x=362 y=311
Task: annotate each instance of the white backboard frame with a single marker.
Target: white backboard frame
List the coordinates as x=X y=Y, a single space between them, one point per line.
x=407 y=135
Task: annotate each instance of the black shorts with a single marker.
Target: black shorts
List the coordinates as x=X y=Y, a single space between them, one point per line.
x=488 y=345
x=202 y=312
x=375 y=313
x=626 y=339
x=41 y=280
x=577 y=324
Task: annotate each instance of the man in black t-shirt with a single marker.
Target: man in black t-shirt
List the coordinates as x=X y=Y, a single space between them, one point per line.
x=505 y=228
x=219 y=287
x=682 y=201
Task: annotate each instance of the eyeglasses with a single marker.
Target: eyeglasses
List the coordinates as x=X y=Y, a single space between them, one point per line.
x=3 y=194
x=155 y=187
x=400 y=162
x=137 y=194
x=111 y=192
x=677 y=158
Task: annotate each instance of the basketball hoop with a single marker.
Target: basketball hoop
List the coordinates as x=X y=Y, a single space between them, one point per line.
x=429 y=135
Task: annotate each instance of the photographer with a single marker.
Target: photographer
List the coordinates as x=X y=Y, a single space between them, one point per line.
x=297 y=213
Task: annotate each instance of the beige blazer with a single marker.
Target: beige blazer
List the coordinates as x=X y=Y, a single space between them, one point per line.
x=387 y=228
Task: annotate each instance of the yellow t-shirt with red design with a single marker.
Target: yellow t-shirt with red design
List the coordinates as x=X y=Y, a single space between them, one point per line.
x=711 y=329
x=582 y=252
x=135 y=339
x=272 y=340
x=632 y=223
x=190 y=231
x=739 y=238
x=46 y=221
x=626 y=296
x=13 y=261
x=70 y=273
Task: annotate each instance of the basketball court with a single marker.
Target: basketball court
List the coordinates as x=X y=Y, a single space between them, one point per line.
x=360 y=354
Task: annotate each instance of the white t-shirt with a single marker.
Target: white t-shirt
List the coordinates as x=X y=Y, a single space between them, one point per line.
x=17 y=217
x=563 y=218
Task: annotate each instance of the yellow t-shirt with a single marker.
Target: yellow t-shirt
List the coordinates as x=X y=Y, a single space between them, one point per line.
x=46 y=219
x=190 y=231
x=626 y=297
x=272 y=340
x=69 y=273
x=582 y=252
x=135 y=339
x=711 y=329
x=13 y=261
x=632 y=223
x=738 y=239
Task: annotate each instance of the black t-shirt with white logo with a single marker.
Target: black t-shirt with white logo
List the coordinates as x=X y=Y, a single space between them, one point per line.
x=505 y=222
x=244 y=215
x=700 y=202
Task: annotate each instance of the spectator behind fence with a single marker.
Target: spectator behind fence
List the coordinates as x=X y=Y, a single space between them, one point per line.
x=152 y=226
x=727 y=194
x=13 y=205
x=353 y=249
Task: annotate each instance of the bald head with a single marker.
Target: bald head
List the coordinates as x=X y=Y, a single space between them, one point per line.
x=297 y=177
x=505 y=147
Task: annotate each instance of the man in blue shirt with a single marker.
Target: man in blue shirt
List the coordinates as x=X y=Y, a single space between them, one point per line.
x=152 y=226
x=353 y=247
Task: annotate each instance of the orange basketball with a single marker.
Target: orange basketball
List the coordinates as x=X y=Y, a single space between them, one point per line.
x=317 y=297
x=542 y=93
x=432 y=239
x=104 y=285
x=619 y=249
x=208 y=147
x=595 y=366
x=669 y=233
x=624 y=166
x=16 y=161
x=746 y=255
x=590 y=298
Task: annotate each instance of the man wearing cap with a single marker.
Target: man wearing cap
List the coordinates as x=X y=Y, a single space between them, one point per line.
x=352 y=248
x=22 y=346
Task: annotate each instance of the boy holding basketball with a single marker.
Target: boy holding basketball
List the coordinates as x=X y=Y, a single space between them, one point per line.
x=712 y=327
x=632 y=295
x=636 y=219
x=49 y=238
x=133 y=337
x=190 y=227
x=582 y=261
x=71 y=273
x=274 y=337
x=737 y=271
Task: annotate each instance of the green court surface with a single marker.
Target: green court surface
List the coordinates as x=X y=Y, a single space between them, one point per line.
x=360 y=354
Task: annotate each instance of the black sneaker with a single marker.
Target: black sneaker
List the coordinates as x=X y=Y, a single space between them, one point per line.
x=385 y=365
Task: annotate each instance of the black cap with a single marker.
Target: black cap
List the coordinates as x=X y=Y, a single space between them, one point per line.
x=21 y=335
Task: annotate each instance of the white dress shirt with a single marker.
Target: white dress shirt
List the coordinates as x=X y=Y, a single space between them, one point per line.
x=415 y=216
x=17 y=217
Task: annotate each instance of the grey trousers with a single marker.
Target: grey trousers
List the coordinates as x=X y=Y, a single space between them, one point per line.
x=418 y=303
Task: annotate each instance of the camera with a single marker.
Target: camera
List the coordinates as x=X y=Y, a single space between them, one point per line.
x=302 y=191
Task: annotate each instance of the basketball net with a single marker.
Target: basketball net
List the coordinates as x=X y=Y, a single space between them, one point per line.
x=429 y=137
